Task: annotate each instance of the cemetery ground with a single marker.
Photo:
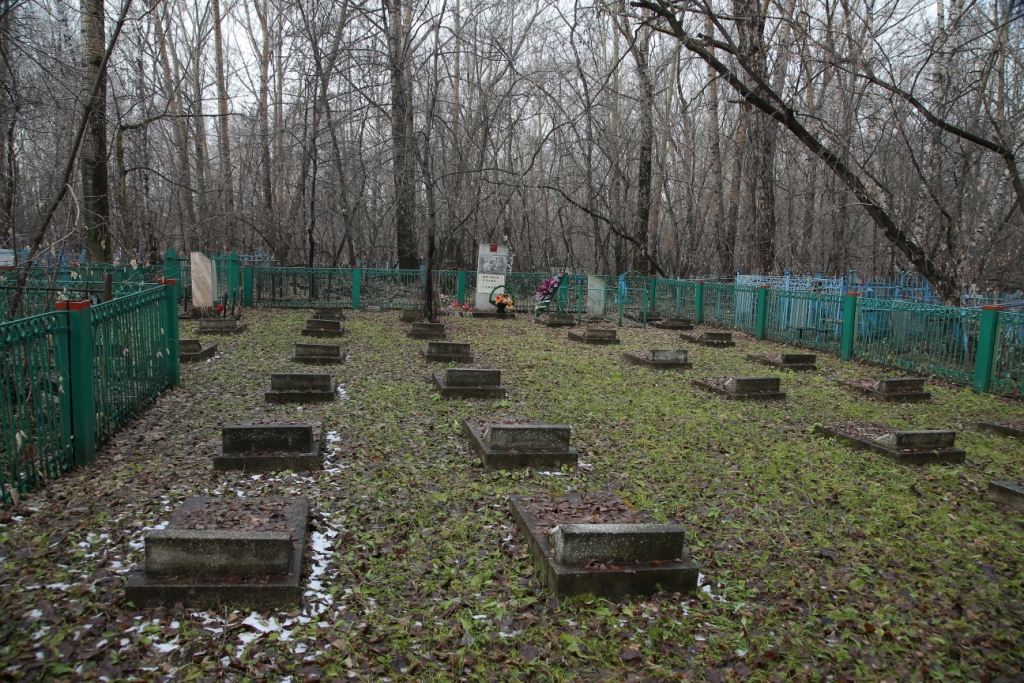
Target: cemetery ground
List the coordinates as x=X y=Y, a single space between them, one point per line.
x=818 y=562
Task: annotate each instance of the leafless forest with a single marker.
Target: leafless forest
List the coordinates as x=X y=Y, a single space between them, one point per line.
x=662 y=136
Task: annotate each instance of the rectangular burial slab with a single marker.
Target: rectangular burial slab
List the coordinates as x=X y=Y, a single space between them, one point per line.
x=1003 y=428
x=448 y=352
x=660 y=360
x=300 y=387
x=469 y=383
x=674 y=324
x=930 y=456
x=221 y=326
x=203 y=586
x=428 y=331
x=743 y=388
x=316 y=327
x=786 y=361
x=508 y=445
x=920 y=440
x=329 y=313
x=268 y=448
x=714 y=339
x=556 y=320
x=410 y=315
x=892 y=389
x=192 y=351
x=1009 y=493
x=582 y=543
x=605 y=579
x=594 y=335
x=318 y=354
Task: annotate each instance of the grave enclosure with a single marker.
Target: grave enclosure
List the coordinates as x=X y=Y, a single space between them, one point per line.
x=510 y=444
x=920 y=447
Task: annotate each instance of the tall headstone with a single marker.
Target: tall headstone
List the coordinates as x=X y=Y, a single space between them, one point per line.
x=204 y=280
x=596 y=296
x=492 y=263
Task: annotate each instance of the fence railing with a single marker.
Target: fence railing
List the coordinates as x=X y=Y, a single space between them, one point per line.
x=70 y=378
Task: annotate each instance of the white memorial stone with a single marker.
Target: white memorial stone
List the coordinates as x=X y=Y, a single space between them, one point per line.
x=596 y=296
x=204 y=281
x=492 y=263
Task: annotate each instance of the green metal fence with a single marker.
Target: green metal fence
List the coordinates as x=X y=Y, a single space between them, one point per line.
x=674 y=298
x=35 y=427
x=807 y=319
x=1008 y=362
x=298 y=287
x=933 y=340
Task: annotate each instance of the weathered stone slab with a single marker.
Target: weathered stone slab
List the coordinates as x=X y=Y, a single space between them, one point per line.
x=921 y=440
x=253 y=591
x=528 y=437
x=192 y=351
x=216 y=552
x=318 y=354
x=786 y=361
x=411 y=315
x=743 y=388
x=300 y=387
x=221 y=326
x=556 y=320
x=448 y=352
x=899 y=385
x=892 y=389
x=950 y=455
x=428 y=331
x=712 y=339
x=660 y=360
x=605 y=579
x=1008 y=493
x=268 y=448
x=674 y=324
x=582 y=543
x=324 y=324
x=329 y=313
x=1002 y=428
x=204 y=280
x=518 y=458
x=596 y=335
x=469 y=383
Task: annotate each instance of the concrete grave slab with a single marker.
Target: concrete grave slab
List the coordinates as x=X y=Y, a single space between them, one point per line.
x=891 y=389
x=329 y=313
x=520 y=443
x=1014 y=430
x=743 y=388
x=300 y=387
x=902 y=446
x=610 y=579
x=193 y=351
x=469 y=383
x=318 y=354
x=252 y=568
x=1008 y=493
x=709 y=338
x=448 y=352
x=410 y=315
x=601 y=336
x=322 y=327
x=674 y=324
x=428 y=331
x=221 y=326
x=660 y=360
x=786 y=361
x=556 y=320
x=268 y=448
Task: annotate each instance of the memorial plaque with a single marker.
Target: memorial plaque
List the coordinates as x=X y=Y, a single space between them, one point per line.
x=492 y=263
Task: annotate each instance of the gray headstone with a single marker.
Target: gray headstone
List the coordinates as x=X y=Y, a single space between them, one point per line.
x=189 y=345
x=751 y=385
x=317 y=351
x=267 y=438
x=176 y=552
x=472 y=377
x=667 y=356
x=324 y=324
x=553 y=438
x=798 y=358
x=717 y=336
x=922 y=440
x=428 y=328
x=900 y=385
x=580 y=543
x=204 y=280
x=300 y=381
x=599 y=333
x=437 y=348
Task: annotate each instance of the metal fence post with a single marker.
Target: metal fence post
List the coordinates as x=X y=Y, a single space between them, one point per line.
x=357 y=281
x=652 y=300
x=247 y=286
x=83 y=400
x=170 y=330
x=460 y=291
x=234 y=274
x=172 y=265
x=988 y=338
x=698 y=303
x=761 y=316
x=848 y=333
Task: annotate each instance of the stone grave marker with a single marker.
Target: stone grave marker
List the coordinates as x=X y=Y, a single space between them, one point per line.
x=711 y=338
x=743 y=388
x=410 y=315
x=891 y=389
x=921 y=447
x=221 y=326
x=660 y=359
x=556 y=319
x=606 y=559
x=469 y=383
x=786 y=361
x=1008 y=493
x=448 y=352
x=204 y=280
x=428 y=331
x=322 y=327
x=596 y=335
x=192 y=351
x=329 y=313
x=1011 y=429
x=674 y=324
x=225 y=551
x=318 y=354
x=512 y=444
x=300 y=387
x=268 y=448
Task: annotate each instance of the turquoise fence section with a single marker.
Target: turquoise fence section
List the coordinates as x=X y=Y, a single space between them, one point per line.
x=35 y=409
x=298 y=287
x=1008 y=364
x=805 y=319
x=674 y=298
x=935 y=340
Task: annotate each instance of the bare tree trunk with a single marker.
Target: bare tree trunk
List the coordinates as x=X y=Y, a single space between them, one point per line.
x=95 y=188
x=724 y=247
x=8 y=127
x=728 y=254
x=639 y=47
x=223 y=138
x=404 y=169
